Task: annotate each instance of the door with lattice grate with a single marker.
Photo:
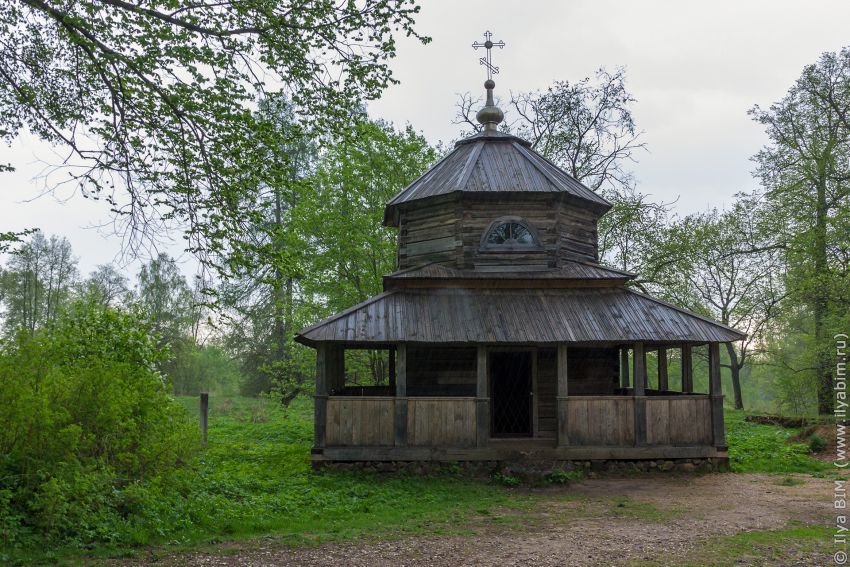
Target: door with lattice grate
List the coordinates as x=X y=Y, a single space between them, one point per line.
x=511 y=394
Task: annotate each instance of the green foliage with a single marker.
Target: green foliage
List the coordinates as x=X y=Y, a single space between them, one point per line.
x=153 y=102
x=85 y=416
x=755 y=447
x=816 y=444
x=343 y=214
x=561 y=476
x=508 y=480
x=804 y=171
x=37 y=283
x=255 y=478
x=167 y=300
x=203 y=368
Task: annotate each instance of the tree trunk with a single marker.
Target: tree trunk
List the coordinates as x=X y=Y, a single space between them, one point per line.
x=826 y=401
x=735 y=368
x=282 y=310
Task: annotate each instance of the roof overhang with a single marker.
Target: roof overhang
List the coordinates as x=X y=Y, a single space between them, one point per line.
x=516 y=316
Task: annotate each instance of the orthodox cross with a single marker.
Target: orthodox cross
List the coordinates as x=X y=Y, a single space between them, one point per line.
x=487 y=60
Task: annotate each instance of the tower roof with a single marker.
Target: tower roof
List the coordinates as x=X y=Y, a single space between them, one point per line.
x=493 y=162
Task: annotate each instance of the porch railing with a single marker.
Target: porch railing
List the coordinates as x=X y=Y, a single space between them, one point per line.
x=590 y=421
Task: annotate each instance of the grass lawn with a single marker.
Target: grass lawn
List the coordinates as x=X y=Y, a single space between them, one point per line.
x=256 y=471
x=754 y=447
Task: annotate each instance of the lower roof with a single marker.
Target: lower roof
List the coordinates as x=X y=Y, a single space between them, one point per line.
x=516 y=316
x=568 y=270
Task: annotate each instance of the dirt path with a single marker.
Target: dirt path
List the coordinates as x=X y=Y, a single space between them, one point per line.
x=654 y=520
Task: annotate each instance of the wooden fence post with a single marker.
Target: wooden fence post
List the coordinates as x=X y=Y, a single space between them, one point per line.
x=205 y=406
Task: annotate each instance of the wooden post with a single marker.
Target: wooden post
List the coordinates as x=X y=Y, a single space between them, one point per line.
x=639 y=393
x=624 y=367
x=715 y=391
x=562 y=396
x=482 y=400
x=205 y=407
x=640 y=369
x=392 y=368
x=335 y=369
x=687 y=369
x=663 y=381
x=320 y=408
x=401 y=395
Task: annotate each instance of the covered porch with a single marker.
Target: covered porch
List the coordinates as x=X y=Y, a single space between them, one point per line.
x=565 y=401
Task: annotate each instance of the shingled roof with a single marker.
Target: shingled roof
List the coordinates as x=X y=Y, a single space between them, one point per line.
x=592 y=315
x=494 y=162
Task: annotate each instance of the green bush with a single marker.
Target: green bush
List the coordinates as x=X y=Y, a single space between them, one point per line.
x=85 y=417
x=816 y=443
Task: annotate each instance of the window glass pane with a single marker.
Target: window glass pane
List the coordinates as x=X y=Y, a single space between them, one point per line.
x=500 y=234
x=511 y=233
x=521 y=234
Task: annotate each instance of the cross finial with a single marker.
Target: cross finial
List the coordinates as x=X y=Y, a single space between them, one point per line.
x=487 y=60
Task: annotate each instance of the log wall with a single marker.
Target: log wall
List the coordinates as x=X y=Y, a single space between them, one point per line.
x=448 y=230
x=429 y=232
x=441 y=371
x=577 y=234
x=479 y=212
x=593 y=371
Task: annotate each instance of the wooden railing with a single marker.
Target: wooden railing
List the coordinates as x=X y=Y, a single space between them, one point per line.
x=360 y=421
x=678 y=420
x=363 y=421
x=601 y=421
x=683 y=420
x=441 y=422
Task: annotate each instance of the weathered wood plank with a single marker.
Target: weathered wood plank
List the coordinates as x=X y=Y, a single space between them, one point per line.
x=442 y=422
x=687 y=369
x=716 y=393
x=359 y=421
x=663 y=381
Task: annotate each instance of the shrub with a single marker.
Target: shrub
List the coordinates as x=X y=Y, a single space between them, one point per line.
x=816 y=443
x=85 y=415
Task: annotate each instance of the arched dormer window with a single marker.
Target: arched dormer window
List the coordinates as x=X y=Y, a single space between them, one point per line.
x=510 y=233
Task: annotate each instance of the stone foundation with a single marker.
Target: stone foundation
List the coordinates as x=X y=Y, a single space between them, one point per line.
x=532 y=470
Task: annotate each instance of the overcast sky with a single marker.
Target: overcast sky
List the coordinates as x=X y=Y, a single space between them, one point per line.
x=694 y=68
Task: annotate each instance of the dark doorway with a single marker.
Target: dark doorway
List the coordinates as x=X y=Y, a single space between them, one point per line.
x=511 y=394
